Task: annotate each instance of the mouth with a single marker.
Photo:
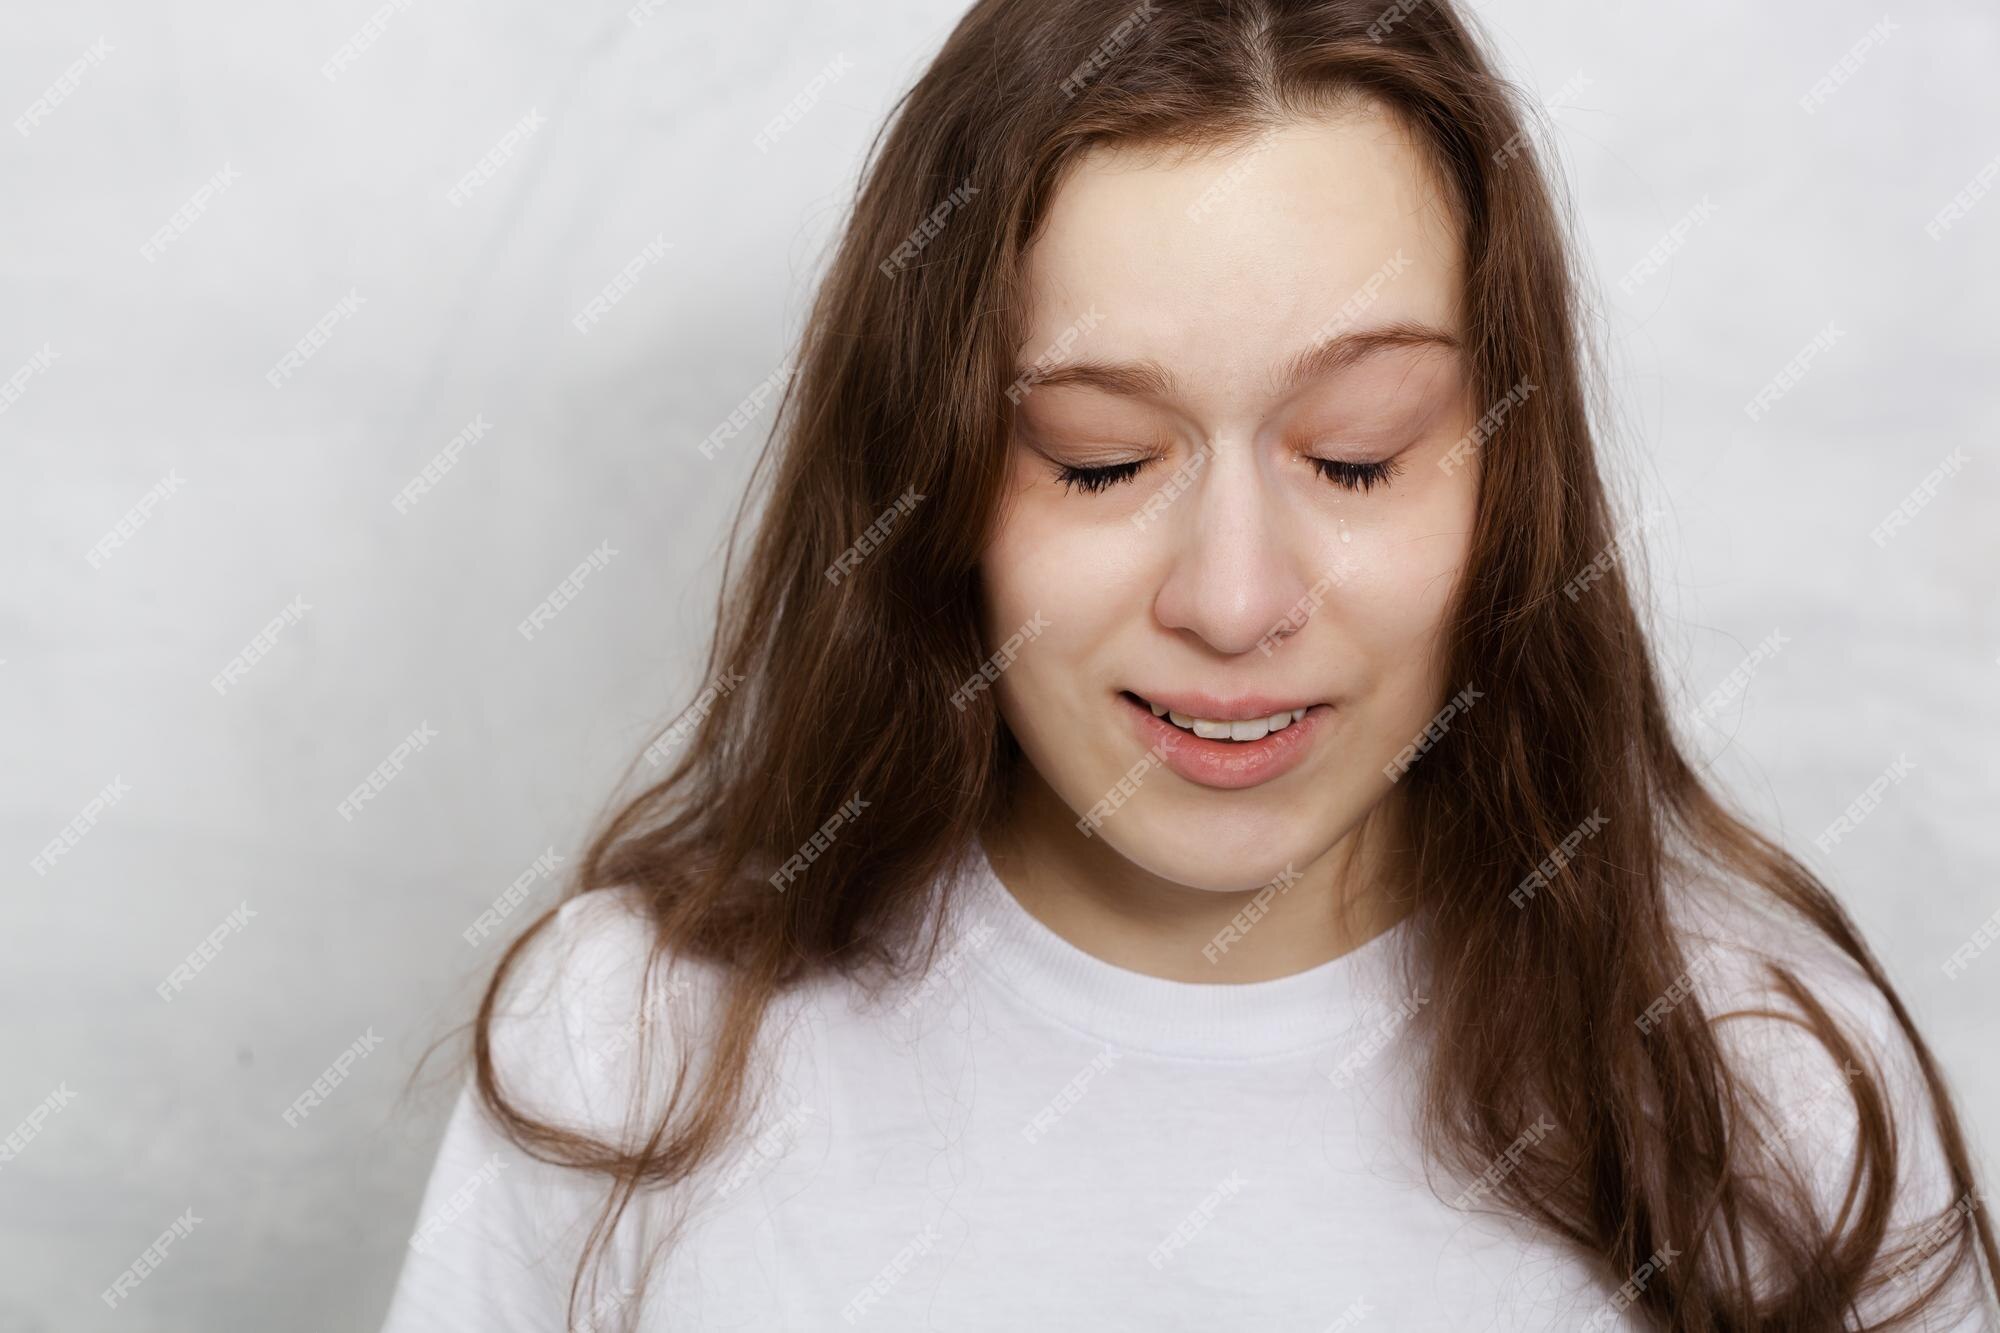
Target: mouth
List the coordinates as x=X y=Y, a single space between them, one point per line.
x=1228 y=744
x=1238 y=723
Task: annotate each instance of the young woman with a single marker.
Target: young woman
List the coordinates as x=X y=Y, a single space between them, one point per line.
x=1214 y=360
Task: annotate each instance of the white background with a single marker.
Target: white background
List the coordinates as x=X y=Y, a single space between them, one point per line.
x=342 y=187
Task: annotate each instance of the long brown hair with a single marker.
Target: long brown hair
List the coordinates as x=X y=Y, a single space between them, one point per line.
x=840 y=673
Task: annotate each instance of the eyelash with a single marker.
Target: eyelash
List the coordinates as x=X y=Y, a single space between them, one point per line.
x=1361 y=477
x=1095 y=479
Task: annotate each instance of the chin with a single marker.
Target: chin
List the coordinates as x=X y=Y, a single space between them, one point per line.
x=1238 y=858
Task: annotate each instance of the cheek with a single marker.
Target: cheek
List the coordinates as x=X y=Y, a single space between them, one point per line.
x=1051 y=590
x=1048 y=556
x=1399 y=578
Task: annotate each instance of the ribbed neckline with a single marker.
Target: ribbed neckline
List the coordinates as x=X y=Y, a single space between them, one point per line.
x=1141 y=1013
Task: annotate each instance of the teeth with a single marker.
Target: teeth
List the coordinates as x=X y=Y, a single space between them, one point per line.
x=1253 y=730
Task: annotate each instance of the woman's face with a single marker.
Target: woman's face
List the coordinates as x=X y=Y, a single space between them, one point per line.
x=1174 y=310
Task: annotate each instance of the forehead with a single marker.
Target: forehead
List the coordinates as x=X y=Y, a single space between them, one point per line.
x=1223 y=265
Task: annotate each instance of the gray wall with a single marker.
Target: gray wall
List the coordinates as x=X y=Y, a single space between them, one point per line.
x=341 y=186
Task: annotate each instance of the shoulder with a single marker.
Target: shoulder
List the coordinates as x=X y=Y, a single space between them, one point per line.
x=503 y=1224
x=1806 y=1030
x=1767 y=976
x=1817 y=1051
x=592 y=1010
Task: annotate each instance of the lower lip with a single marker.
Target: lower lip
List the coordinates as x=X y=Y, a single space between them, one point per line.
x=1228 y=765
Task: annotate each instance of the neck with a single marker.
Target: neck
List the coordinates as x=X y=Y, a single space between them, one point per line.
x=1091 y=895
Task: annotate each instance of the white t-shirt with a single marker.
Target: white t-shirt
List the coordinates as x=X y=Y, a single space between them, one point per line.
x=1030 y=1137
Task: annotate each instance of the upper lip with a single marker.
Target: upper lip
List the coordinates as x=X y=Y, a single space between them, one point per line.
x=1218 y=708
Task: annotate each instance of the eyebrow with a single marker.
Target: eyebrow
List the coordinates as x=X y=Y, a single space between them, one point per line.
x=1147 y=378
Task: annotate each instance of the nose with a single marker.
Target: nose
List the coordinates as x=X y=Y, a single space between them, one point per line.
x=1235 y=571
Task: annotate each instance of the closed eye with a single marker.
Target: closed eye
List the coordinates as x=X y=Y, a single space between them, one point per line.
x=1349 y=476
x=1094 y=479
x=1358 y=476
